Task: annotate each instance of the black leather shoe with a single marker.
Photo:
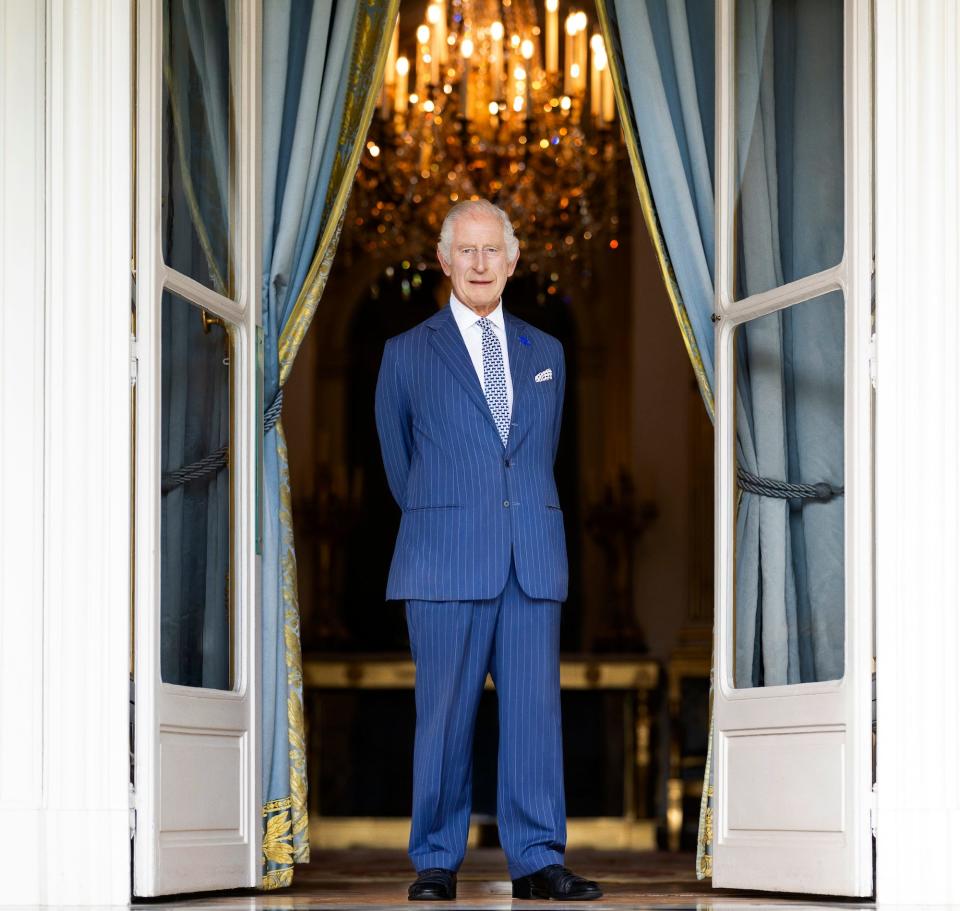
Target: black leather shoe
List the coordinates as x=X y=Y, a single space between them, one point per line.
x=433 y=885
x=556 y=882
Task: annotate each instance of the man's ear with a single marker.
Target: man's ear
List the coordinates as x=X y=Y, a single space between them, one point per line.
x=513 y=264
x=443 y=263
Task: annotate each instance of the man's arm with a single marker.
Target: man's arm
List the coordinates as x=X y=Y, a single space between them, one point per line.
x=393 y=423
x=561 y=381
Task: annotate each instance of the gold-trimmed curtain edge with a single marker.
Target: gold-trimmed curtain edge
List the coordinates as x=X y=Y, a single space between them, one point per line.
x=704 y=862
x=286 y=839
x=650 y=215
x=296 y=730
x=705 y=825
x=292 y=810
x=294 y=330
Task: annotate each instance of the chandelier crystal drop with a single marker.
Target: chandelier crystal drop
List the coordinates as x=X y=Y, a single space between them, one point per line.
x=488 y=103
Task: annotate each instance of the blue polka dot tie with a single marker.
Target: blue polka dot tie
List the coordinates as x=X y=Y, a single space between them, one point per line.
x=495 y=380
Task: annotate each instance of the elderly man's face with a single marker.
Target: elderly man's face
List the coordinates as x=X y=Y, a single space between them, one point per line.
x=478 y=265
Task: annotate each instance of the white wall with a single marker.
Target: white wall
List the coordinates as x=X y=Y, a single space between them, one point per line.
x=918 y=431
x=65 y=215
x=21 y=433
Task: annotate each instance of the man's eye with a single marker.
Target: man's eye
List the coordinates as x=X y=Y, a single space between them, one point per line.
x=491 y=250
x=469 y=251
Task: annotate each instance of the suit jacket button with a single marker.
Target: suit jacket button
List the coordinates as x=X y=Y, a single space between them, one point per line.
x=508 y=462
x=506 y=504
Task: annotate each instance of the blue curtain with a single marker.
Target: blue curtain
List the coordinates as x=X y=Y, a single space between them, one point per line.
x=322 y=66
x=789 y=573
x=666 y=47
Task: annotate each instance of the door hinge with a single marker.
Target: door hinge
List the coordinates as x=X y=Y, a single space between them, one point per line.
x=872 y=359
x=133 y=812
x=133 y=360
x=873 y=810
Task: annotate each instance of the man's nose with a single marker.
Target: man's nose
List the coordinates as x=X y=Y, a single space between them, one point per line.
x=481 y=262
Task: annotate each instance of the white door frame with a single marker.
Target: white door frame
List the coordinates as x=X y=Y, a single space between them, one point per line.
x=65 y=180
x=918 y=428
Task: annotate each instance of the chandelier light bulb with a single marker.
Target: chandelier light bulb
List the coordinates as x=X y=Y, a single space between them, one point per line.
x=552 y=5
x=466 y=48
x=570 y=25
x=423 y=34
x=565 y=102
x=526 y=49
x=596 y=43
x=518 y=104
x=519 y=74
x=514 y=41
x=433 y=14
x=574 y=70
x=403 y=66
x=493 y=108
x=581 y=20
x=496 y=31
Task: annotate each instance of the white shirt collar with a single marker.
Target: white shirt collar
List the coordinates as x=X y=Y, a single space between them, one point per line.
x=466 y=317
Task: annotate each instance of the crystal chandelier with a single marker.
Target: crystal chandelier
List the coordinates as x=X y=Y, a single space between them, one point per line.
x=493 y=106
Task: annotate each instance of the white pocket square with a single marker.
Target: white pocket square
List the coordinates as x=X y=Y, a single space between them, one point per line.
x=543 y=376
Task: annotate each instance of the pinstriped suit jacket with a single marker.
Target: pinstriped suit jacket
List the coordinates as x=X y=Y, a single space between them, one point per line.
x=467 y=502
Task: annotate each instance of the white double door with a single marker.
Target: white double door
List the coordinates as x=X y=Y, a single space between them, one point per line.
x=793 y=763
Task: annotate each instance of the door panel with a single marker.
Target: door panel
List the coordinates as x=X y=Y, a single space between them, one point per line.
x=793 y=736
x=783 y=779
x=196 y=649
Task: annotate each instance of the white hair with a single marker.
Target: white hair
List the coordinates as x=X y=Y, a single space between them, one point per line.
x=472 y=208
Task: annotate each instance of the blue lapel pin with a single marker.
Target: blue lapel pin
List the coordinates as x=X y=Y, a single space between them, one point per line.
x=524 y=340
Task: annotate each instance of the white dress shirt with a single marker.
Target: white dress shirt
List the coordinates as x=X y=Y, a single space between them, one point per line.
x=469 y=325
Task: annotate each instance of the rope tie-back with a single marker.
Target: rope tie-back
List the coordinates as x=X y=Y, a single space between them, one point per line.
x=272 y=414
x=217 y=460
x=767 y=487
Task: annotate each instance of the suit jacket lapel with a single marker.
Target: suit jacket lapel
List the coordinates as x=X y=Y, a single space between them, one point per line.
x=519 y=354
x=448 y=342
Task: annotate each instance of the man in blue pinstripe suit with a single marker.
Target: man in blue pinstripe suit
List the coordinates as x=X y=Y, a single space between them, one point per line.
x=468 y=407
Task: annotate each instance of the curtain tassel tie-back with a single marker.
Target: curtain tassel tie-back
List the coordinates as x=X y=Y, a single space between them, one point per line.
x=767 y=487
x=212 y=463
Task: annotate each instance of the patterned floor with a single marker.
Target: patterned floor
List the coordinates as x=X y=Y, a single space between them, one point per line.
x=379 y=879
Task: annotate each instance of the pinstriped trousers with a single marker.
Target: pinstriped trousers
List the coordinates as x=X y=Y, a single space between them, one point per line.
x=455 y=644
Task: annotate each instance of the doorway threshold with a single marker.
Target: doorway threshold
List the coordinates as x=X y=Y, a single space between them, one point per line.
x=378 y=879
